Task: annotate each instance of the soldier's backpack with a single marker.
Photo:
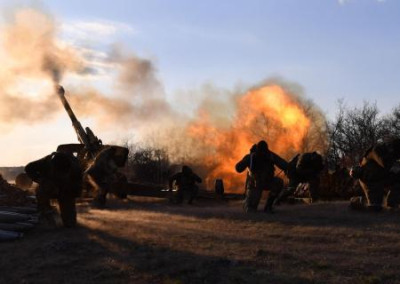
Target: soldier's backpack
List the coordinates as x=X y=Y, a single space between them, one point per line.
x=262 y=167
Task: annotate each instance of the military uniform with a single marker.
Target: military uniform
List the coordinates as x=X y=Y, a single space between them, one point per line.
x=304 y=168
x=380 y=170
x=101 y=173
x=261 y=176
x=185 y=181
x=59 y=176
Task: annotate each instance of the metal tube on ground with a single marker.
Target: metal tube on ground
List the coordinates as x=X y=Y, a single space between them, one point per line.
x=9 y=235
x=16 y=227
x=11 y=217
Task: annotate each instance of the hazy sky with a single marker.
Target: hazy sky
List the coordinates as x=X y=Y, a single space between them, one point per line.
x=335 y=49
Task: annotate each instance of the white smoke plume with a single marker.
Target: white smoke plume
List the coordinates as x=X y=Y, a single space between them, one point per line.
x=34 y=59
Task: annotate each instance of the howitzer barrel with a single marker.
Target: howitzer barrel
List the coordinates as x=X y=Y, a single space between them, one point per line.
x=61 y=94
x=75 y=123
x=87 y=137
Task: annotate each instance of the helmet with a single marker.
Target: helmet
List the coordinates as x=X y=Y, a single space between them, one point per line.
x=186 y=170
x=262 y=146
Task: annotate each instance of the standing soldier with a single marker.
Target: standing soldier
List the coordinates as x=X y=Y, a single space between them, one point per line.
x=379 y=169
x=59 y=176
x=304 y=168
x=261 y=165
x=185 y=181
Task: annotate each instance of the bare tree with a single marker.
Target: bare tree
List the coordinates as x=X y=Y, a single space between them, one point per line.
x=355 y=130
x=391 y=122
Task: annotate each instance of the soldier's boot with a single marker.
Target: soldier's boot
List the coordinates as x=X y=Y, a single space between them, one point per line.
x=248 y=208
x=284 y=195
x=68 y=211
x=276 y=190
x=50 y=218
x=375 y=200
x=393 y=198
x=358 y=203
x=47 y=212
x=171 y=196
x=314 y=188
x=191 y=197
x=193 y=194
x=269 y=205
x=374 y=191
x=179 y=196
x=252 y=200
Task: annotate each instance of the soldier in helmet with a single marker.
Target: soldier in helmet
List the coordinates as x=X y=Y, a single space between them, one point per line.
x=304 y=168
x=379 y=170
x=103 y=171
x=59 y=176
x=261 y=176
x=185 y=181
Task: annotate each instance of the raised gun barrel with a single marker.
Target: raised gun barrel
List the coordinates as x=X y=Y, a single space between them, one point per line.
x=87 y=138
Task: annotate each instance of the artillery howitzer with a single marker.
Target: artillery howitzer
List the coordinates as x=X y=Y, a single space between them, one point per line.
x=90 y=147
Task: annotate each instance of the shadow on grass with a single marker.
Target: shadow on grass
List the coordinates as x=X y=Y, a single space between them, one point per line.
x=84 y=255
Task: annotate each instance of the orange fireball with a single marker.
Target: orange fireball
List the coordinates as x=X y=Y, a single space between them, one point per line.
x=268 y=113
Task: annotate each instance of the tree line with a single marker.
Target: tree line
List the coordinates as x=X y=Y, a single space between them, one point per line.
x=342 y=141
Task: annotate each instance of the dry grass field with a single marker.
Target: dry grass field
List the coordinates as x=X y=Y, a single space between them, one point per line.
x=150 y=241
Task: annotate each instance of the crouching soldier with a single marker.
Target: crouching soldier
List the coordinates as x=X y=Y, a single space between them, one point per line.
x=304 y=168
x=59 y=176
x=379 y=170
x=185 y=181
x=261 y=176
x=102 y=173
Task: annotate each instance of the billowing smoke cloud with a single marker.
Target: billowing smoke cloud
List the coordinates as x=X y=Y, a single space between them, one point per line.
x=117 y=113
x=34 y=60
x=29 y=52
x=138 y=100
x=30 y=47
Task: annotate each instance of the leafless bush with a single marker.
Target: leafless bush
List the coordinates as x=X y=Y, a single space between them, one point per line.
x=147 y=164
x=353 y=131
x=391 y=122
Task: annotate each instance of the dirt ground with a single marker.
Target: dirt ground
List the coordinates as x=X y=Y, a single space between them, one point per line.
x=150 y=241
